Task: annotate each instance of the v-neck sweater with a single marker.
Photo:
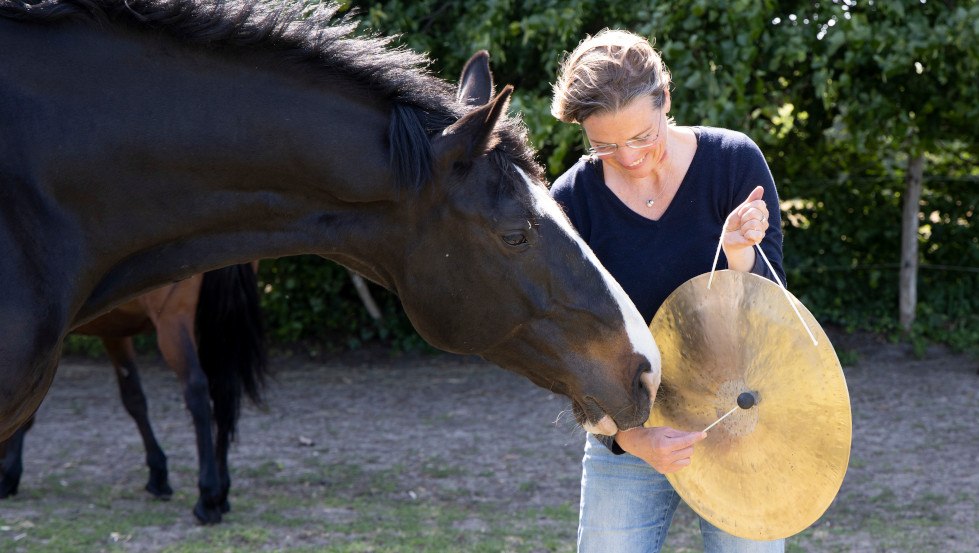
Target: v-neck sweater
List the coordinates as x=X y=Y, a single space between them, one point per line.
x=651 y=258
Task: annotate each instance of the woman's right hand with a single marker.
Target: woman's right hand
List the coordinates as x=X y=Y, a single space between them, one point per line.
x=665 y=449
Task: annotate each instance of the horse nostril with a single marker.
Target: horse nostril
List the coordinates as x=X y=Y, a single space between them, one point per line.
x=639 y=391
x=643 y=368
x=647 y=389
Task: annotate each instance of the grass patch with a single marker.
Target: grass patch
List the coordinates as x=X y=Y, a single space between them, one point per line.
x=279 y=524
x=333 y=509
x=847 y=357
x=438 y=468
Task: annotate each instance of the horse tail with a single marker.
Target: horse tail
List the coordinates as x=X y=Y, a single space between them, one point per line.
x=231 y=341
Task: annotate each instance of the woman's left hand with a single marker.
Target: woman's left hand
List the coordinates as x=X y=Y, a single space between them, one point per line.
x=745 y=227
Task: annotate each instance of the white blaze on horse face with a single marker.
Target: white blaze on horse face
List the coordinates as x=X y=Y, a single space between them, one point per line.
x=636 y=328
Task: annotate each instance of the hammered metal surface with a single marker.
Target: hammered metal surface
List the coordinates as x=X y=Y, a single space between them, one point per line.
x=770 y=471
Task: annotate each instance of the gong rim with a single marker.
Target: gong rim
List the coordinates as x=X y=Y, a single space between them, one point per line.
x=767 y=472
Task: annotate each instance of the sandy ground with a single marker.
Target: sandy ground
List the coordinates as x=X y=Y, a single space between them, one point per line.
x=912 y=483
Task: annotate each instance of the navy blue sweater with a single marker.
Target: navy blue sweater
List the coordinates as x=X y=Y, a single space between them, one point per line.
x=650 y=259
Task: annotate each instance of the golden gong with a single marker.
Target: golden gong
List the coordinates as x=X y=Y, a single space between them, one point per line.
x=769 y=471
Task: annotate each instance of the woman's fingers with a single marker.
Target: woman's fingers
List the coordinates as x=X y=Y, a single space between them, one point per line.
x=675 y=466
x=754 y=211
x=750 y=219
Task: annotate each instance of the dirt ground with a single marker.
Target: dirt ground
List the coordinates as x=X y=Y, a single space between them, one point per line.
x=912 y=484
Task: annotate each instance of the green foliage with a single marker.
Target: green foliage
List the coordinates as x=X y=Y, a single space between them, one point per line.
x=837 y=93
x=525 y=40
x=312 y=300
x=842 y=256
x=901 y=74
x=91 y=347
x=86 y=346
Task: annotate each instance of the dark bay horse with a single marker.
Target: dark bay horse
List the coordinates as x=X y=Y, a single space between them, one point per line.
x=209 y=331
x=143 y=141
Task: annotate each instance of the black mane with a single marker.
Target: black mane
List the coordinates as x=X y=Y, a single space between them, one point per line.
x=316 y=38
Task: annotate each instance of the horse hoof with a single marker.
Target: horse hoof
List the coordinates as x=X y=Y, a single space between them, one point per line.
x=207 y=516
x=8 y=489
x=164 y=492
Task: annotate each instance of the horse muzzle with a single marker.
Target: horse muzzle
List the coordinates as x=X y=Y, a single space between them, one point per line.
x=648 y=384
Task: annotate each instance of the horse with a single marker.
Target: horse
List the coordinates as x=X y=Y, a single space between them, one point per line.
x=145 y=141
x=209 y=331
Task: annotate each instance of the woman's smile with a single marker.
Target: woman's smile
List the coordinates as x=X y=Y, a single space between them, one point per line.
x=637 y=163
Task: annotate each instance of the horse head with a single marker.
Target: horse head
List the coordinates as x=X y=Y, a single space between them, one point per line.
x=496 y=269
x=237 y=156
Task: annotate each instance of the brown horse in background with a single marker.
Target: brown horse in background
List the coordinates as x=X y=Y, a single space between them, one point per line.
x=209 y=331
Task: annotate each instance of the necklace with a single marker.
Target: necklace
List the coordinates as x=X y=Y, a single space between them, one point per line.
x=651 y=201
x=667 y=181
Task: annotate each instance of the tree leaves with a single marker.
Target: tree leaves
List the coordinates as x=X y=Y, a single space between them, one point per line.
x=838 y=94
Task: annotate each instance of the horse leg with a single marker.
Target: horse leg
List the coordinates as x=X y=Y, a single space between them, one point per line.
x=231 y=351
x=28 y=362
x=123 y=357
x=29 y=354
x=223 y=442
x=13 y=461
x=176 y=340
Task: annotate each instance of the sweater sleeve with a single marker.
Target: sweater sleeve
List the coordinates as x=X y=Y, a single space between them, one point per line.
x=610 y=443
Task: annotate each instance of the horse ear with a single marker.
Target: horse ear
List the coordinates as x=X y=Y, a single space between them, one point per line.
x=476 y=82
x=473 y=135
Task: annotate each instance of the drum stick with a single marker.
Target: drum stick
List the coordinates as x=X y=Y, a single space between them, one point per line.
x=724 y=416
x=746 y=400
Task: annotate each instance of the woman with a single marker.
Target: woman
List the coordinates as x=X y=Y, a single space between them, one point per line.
x=652 y=199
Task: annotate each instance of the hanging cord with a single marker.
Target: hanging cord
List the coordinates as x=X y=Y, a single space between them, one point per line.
x=788 y=298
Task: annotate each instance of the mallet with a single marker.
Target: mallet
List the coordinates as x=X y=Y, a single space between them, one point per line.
x=746 y=400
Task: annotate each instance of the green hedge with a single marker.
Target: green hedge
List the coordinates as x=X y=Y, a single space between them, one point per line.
x=311 y=302
x=842 y=205
x=842 y=256
x=842 y=259
x=734 y=67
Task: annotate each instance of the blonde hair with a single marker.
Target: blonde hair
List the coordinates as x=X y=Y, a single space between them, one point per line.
x=606 y=72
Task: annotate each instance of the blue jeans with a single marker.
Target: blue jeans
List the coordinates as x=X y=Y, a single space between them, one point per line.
x=626 y=507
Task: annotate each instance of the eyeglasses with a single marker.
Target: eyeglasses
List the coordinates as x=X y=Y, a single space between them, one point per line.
x=638 y=143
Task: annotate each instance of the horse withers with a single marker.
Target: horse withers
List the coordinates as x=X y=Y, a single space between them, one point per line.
x=145 y=141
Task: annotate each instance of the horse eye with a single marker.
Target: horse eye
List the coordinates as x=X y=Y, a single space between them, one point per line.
x=515 y=238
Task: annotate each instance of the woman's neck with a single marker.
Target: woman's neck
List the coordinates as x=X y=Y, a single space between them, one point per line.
x=650 y=194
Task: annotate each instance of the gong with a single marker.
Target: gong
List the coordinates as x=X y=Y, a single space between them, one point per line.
x=770 y=470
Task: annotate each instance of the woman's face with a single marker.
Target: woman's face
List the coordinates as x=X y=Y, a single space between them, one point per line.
x=637 y=123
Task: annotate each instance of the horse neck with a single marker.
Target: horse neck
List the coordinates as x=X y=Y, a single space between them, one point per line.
x=175 y=162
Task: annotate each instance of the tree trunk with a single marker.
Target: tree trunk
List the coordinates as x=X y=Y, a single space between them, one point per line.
x=909 y=241
x=365 y=296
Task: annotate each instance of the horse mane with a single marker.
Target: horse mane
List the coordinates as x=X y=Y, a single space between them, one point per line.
x=316 y=37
